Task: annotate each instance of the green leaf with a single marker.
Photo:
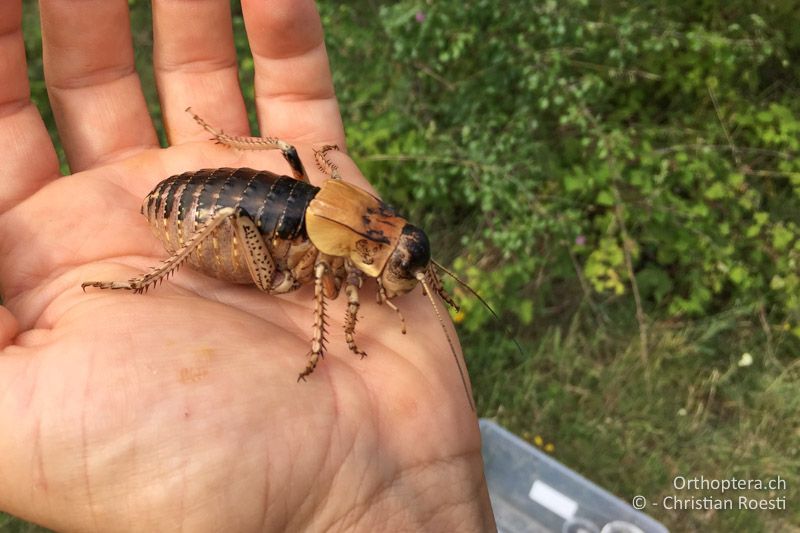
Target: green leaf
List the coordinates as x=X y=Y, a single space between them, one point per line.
x=782 y=237
x=738 y=274
x=525 y=311
x=777 y=283
x=764 y=116
x=605 y=198
x=716 y=191
x=573 y=182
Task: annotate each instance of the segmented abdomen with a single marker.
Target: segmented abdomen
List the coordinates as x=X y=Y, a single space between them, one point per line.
x=180 y=204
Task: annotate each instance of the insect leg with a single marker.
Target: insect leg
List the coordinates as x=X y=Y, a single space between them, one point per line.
x=256 y=143
x=353 y=283
x=256 y=254
x=144 y=282
x=436 y=284
x=383 y=299
x=326 y=165
x=318 y=340
x=299 y=274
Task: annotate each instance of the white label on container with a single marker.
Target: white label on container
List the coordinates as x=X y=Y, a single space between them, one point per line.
x=551 y=499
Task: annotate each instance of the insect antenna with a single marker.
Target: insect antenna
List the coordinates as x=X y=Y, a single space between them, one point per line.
x=481 y=300
x=421 y=277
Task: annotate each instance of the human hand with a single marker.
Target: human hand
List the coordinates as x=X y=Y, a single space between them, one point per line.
x=180 y=409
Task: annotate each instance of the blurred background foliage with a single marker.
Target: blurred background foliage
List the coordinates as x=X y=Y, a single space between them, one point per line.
x=621 y=181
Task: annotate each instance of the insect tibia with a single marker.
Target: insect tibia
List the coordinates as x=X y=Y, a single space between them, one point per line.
x=113 y=285
x=324 y=164
x=255 y=143
x=436 y=284
x=318 y=340
x=444 y=295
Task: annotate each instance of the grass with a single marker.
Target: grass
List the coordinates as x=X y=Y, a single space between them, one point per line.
x=633 y=426
x=584 y=392
x=9 y=524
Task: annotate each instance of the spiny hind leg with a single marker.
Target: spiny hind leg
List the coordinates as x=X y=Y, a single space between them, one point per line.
x=144 y=282
x=256 y=143
x=326 y=165
x=353 y=283
x=321 y=269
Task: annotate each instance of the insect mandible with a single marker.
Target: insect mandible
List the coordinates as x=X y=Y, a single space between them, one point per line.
x=279 y=233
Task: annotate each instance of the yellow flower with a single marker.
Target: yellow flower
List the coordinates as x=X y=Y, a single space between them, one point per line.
x=538 y=440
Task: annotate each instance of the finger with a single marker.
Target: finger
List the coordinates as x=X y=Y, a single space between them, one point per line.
x=293 y=86
x=195 y=65
x=28 y=157
x=93 y=86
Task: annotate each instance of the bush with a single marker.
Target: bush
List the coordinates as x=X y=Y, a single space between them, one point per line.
x=637 y=145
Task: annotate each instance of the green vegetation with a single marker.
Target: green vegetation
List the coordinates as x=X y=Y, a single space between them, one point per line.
x=621 y=180
x=9 y=524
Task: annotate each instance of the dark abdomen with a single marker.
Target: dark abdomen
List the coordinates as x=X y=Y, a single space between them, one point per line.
x=180 y=204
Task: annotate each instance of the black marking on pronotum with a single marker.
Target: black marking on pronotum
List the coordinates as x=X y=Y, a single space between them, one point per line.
x=371 y=234
x=384 y=210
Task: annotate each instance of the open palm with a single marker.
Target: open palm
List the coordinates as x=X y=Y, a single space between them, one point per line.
x=180 y=409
